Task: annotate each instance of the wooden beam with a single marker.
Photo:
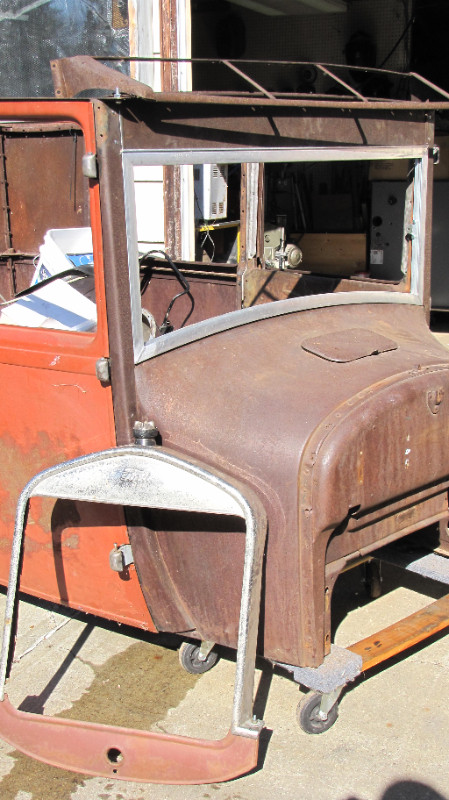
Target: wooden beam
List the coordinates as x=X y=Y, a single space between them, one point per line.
x=169 y=44
x=403 y=634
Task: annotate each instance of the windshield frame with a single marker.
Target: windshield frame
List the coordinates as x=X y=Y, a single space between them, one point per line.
x=416 y=231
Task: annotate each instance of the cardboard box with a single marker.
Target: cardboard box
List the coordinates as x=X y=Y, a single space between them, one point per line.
x=389 y=170
x=397 y=169
x=333 y=253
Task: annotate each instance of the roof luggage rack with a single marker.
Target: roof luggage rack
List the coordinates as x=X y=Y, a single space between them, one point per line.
x=340 y=85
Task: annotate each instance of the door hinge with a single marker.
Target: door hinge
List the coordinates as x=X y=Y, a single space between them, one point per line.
x=103 y=369
x=120 y=557
x=89 y=162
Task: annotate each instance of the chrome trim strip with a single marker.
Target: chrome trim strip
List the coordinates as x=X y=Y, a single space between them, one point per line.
x=236 y=155
x=279 y=308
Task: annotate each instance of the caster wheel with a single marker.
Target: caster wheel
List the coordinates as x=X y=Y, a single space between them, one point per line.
x=188 y=658
x=308 y=717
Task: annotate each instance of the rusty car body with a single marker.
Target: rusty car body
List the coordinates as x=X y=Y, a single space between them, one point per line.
x=227 y=433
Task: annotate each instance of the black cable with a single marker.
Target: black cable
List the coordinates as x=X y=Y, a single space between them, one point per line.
x=59 y=275
x=403 y=34
x=166 y=325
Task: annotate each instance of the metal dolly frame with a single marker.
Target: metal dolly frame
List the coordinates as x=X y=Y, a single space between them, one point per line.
x=319 y=708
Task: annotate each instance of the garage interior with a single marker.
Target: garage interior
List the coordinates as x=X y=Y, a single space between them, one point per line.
x=350 y=214
x=344 y=218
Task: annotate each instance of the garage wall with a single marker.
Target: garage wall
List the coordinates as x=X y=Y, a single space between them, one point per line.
x=322 y=37
x=318 y=37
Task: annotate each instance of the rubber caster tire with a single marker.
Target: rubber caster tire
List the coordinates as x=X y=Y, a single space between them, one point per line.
x=188 y=658
x=307 y=714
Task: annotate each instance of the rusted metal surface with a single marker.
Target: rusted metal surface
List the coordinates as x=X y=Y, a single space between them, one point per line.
x=125 y=754
x=268 y=285
x=443 y=546
x=349 y=465
x=243 y=254
x=35 y=166
x=422 y=88
x=112 y=234
x=253 y=83
x=199 y=99
x=5 y=227
x=80 y=73
x=420 y=562
x=405 y=514
x=349 y=345
x=341 y=441
x=212 y=298
x=341 y=82
x=177 y=126
x=174 y=124
x=51 y=154
x=7 y=276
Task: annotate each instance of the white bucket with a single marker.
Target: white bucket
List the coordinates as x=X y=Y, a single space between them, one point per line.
x=59 y=304
x=63 y=248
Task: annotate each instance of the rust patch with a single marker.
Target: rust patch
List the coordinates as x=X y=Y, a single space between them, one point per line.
x=71 y=541
x=16 y=470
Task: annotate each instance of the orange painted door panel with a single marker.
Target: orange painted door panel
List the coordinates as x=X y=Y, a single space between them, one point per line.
x=52 y=405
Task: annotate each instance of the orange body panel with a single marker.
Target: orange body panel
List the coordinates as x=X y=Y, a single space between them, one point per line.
x=53 y=409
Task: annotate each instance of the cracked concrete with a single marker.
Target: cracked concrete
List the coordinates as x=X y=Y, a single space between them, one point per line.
x=389 y=743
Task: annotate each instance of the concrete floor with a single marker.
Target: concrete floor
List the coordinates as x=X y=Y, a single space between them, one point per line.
x=390 y=741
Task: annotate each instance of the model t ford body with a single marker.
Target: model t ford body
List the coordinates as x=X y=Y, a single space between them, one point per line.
x=219 y=388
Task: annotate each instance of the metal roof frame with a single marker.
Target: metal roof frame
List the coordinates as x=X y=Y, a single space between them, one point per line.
x=354 y=98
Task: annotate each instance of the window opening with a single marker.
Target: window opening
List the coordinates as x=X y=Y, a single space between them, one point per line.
x=315 y=223
x=46 y=266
